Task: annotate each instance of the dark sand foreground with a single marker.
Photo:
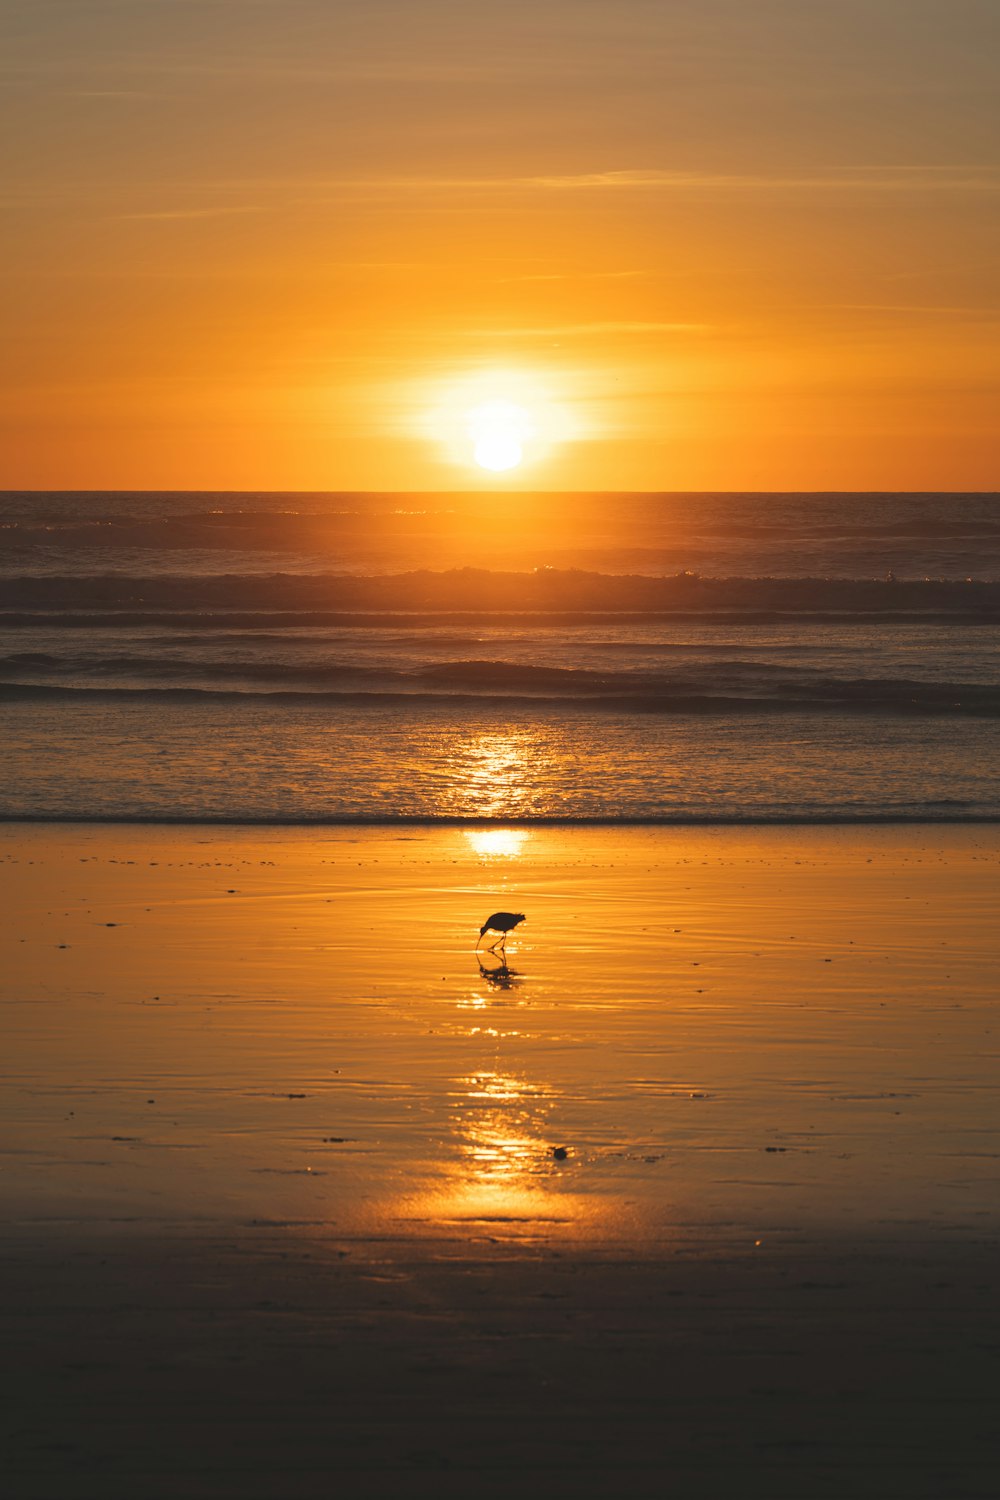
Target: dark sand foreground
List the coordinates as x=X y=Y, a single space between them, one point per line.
x=283 y=1215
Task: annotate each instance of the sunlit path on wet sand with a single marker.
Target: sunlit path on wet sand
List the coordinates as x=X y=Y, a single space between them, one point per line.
x=721 y=1119
x=766 y=1027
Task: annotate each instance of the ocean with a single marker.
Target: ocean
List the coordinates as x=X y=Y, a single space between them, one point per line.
x=300 y=658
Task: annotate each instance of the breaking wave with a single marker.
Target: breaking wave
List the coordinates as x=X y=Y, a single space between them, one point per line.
x=474 y=594
x=523 y=688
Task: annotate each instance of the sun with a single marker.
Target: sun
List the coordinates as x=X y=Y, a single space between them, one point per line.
x=498 y=430
x=502 y=422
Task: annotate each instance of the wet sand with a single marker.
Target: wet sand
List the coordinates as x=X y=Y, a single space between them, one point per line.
x=283 y=1210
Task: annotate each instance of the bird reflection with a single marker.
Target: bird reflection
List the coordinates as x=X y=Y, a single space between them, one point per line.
x=497 y=972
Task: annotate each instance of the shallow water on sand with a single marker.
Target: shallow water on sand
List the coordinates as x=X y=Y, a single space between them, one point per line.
x=263 y=763
x=747 y=1034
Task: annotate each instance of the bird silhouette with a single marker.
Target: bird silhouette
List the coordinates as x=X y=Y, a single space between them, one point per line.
x=501 y=922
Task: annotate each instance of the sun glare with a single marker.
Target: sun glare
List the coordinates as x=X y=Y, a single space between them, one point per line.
x=498 y=430
x=498 y=421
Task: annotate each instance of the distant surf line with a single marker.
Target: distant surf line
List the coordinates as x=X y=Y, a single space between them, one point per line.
x=453 y=820
x=981 y=703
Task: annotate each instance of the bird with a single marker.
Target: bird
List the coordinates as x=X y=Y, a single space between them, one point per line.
x=502 y=922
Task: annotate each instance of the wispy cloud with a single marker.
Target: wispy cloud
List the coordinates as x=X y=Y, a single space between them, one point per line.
x=932 y=309
x=298 y=192
x=586 y=330
x=195 y=213
x=110 y=94
x=572 y=276
x=871 y=179
x=916 y=178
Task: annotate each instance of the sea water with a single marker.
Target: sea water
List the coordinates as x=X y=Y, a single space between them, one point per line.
x=296 y=658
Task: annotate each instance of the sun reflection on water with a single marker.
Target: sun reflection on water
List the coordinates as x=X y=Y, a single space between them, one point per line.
x=500 y=1127
x=498 y=773
x=505 y=1165
x=499 y=843
x=510 y=1172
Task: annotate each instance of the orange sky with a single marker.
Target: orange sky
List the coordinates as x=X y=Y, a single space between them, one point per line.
x=257 y=243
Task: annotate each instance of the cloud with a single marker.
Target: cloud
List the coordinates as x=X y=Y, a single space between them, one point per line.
x=291 y=192
x=128 y=94
x=194 y=213
x=586 y=330
x=915 y=178
x=572 y=276
x=952 y=310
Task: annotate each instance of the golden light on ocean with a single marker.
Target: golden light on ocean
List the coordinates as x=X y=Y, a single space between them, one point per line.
x=496 y=774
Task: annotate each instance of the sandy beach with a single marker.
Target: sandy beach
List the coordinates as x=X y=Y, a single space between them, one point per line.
x=697 y=1194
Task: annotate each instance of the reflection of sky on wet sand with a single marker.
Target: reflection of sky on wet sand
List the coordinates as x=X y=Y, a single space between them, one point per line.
x=756 y=1028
